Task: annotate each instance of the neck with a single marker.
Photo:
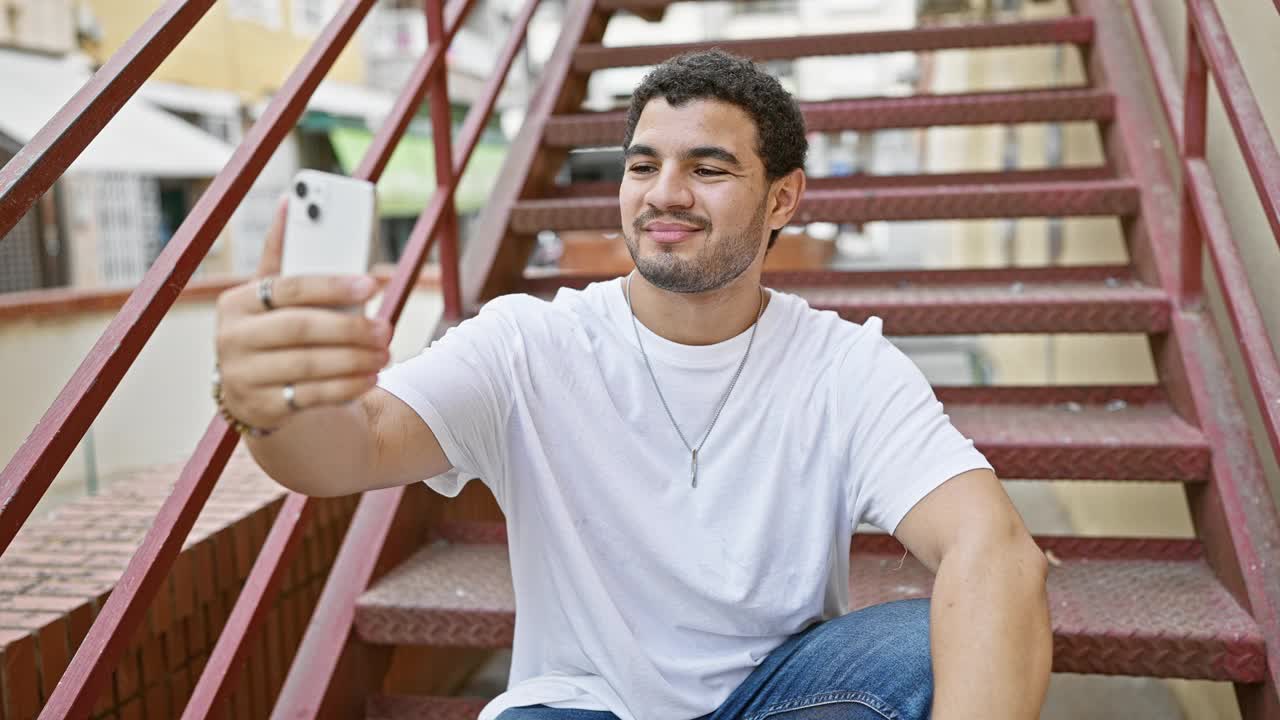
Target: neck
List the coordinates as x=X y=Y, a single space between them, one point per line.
x=698 y=318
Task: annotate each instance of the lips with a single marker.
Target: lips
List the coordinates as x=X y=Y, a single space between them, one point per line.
x=670 y=232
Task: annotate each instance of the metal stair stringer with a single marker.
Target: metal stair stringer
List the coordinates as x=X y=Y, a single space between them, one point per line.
x=495 y=256
x=1234 y=513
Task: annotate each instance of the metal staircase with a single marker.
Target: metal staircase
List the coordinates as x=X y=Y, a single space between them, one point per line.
x=426 y=581
x=1123 y=606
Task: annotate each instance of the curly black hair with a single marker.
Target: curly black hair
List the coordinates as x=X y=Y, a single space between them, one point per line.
x=718 y=75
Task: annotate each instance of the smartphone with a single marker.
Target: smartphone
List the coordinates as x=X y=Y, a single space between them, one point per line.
x=329 y=226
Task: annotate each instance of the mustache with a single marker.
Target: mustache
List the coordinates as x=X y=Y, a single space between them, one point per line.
x=677 y=216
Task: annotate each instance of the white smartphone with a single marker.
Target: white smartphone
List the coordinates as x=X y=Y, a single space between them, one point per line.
x=329 y=226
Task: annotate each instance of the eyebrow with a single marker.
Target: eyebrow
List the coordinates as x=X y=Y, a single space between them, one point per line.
x=711 y=152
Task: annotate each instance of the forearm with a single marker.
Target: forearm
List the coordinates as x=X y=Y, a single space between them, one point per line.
x=992 y=644
x=324 y=451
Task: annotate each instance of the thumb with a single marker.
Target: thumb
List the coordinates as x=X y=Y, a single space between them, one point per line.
x=273 y=244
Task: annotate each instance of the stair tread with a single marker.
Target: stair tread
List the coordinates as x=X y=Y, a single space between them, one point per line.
x=1071 y=198
x=548 y=281
x=1160 y=615
x=1073 y=30
x=961 y=308
x=1074 y=104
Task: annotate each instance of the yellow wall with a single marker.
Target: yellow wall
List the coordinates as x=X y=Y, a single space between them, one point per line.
x=221 y=52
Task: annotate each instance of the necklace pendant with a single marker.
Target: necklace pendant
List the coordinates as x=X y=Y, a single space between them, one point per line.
x=693 y=470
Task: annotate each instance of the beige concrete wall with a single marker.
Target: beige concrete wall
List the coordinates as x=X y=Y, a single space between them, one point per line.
x=223 y=52
x=161 y=407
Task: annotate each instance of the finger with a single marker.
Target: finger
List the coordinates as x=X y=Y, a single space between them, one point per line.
x=273 y=243
x=335 y=291
x=322 y=290
x=267 y=407
x=334 y=391
x=278 y=367
x=306 y=327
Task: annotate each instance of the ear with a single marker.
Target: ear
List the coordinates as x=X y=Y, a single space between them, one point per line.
x=784 y=198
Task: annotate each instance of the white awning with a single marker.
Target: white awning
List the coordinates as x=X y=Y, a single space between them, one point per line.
x=141 y=138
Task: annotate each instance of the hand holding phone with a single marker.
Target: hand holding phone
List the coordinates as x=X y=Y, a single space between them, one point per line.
x=298 y=340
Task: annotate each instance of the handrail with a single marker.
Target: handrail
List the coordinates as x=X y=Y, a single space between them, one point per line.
x=1204 y=221
x=43 y=160
x=1259 y=150
x=263 y=584
x=321 y=649
x=28 y=475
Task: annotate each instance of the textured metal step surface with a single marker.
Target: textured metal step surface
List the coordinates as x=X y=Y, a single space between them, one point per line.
x=605 y=129
x=1075 y=307
x=1067 y=30
x=547 y=282
x=948 y=202
x=959 y=308
x=410 y=707
x=863 y=181
x=1119 y=607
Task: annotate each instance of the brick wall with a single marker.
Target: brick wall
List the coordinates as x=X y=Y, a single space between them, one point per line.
x=60 y=569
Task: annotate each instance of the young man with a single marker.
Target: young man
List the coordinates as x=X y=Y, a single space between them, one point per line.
x=682 y=455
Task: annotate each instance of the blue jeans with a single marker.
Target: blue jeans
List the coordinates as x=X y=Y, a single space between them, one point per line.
x=872 y=664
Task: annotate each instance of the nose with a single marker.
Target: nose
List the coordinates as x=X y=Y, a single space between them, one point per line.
x=669 y=189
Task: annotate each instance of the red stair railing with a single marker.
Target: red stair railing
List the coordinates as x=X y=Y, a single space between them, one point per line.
x=1204 y=222
x=33 y=171
x=1236 y=513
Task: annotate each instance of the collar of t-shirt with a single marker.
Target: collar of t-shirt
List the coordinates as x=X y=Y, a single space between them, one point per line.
x=675 y=354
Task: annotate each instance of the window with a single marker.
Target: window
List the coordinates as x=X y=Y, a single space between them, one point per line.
x=310 y=16
x=263 y=12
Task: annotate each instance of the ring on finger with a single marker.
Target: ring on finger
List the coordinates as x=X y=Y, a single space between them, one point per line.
x=290 y=397
x=264 y=293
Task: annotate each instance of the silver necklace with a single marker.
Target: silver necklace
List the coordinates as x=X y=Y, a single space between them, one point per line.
x=693 y=451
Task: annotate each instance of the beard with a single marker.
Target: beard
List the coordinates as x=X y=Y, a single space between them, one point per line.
x=720 y=261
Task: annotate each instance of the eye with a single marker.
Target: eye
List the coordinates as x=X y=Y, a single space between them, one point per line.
x=709 y=172
x=641 y=168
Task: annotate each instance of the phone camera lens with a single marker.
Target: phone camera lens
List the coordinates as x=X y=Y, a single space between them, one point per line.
x=313 y=211
x=300 y=189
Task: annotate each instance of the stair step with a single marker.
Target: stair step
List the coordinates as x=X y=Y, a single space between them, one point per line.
x=1119 y=606
x=1020 y=307
x=1027 y=307
x=1067 y=30
x=605 y=129
x=952 y=202
x=547 y=282
x=415 y=707
x=862 y=181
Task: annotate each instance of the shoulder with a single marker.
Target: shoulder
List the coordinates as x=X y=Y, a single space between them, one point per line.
x=538 y=318
x=824 y=336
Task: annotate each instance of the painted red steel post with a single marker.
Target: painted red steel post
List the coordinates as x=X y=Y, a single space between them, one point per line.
x=32 y=468
x=441 y=134
x=26 y=477
x=262 y=585
x=1194 y=108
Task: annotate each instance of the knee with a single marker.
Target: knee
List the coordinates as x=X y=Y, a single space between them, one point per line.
x=895 y=636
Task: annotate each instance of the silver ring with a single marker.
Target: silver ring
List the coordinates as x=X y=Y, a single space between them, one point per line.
x=290 y=397
x=264 y=292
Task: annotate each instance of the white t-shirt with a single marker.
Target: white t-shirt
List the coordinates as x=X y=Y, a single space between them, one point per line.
x=637 y=593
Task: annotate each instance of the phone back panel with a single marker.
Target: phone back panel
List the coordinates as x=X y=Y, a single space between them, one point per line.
x=330 y=230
